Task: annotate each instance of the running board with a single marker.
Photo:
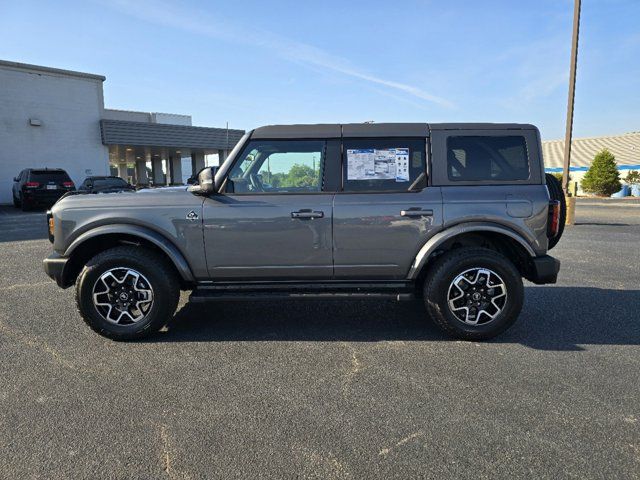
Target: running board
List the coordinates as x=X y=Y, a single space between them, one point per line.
x=399 y=291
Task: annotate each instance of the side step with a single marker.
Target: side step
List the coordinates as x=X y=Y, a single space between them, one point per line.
x=291 y=291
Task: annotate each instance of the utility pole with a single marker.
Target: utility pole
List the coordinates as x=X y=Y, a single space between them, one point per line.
x=571 y=205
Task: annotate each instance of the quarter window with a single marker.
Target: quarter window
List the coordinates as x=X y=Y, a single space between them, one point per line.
x=492 y=158
x=270 y=166
x=385 y=164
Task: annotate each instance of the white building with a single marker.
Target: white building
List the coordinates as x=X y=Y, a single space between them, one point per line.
x=625 y=147
x=56 y=118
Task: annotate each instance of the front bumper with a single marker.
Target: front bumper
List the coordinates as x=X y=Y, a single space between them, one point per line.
x=54 y=266
x=543 y=269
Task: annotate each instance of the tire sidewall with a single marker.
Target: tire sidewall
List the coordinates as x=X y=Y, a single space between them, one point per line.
x=160 y=310
x=515 y=294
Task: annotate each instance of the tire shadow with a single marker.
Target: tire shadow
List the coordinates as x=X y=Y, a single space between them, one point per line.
x=553 y=318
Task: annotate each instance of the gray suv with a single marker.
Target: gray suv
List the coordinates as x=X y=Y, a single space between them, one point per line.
x=454 y=214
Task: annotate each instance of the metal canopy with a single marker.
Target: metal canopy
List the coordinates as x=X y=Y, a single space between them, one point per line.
x=140 y=134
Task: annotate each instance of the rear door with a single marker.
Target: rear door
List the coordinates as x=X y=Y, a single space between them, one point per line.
x=274 y=220
x=385 y=211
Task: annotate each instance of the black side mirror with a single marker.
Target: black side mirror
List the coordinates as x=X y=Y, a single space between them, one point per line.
x=206 y=182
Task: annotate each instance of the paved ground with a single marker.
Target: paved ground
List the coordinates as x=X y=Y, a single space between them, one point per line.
x=328 y=390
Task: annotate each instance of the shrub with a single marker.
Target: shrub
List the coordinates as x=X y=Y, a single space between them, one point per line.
x=603 y=177
x=633 y=177
x=558 y=175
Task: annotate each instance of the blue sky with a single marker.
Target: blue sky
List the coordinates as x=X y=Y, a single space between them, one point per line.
x=252 y=63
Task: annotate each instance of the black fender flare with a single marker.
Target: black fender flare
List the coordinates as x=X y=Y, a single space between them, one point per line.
x=159 y=240
x=439 y=238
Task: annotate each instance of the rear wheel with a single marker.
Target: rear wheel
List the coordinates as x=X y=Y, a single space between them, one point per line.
x=473 y=293
x=555 y=192
x=127 y=293
x=16 y=201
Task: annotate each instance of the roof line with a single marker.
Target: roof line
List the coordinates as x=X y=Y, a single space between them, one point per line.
x=51 y=70
x=594 y=138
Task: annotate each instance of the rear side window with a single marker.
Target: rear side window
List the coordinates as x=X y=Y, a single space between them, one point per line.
x=44 y=176
x=383 y=164
x=487 y=158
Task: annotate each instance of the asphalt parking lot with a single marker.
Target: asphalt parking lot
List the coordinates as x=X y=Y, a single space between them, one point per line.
x=316 y=389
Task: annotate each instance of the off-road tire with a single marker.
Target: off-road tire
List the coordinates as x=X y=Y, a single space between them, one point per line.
x=555 y=192
x=453 y=263
x=163 y=280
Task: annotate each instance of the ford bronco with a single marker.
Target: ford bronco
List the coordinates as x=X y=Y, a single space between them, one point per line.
x=453 y=214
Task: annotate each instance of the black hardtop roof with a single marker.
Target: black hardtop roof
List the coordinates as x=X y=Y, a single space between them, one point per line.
x=336 y=130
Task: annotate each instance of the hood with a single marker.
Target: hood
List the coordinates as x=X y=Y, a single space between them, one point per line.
x=158 y=197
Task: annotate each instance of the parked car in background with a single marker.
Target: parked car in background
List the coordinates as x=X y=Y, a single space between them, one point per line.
x=40 y=187
x=97 y=184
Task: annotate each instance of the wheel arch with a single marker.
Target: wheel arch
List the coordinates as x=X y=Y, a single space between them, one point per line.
x=98 y=239
x=497 y=237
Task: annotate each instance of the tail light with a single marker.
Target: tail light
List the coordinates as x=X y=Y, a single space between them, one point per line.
x=31 y=185
x=67 y=184
x=50 y=224
x=553 y=225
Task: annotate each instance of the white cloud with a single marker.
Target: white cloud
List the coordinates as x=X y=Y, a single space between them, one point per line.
x=201 y=23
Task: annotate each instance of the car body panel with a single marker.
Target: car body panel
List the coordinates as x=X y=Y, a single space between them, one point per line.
x=163 y=212
x=255 y=236
x=371 y=237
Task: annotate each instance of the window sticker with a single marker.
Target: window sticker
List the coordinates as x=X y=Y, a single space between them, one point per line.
x=374 y=164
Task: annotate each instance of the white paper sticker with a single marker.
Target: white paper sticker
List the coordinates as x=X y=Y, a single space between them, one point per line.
x=402 y=164
x=374 y=164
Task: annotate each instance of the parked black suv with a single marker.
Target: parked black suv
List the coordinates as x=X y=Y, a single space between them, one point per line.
x=96 y=184
x=36 y=186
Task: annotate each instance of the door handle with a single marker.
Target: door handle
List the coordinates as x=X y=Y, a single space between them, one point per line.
x=416 y=212
x=307 y=213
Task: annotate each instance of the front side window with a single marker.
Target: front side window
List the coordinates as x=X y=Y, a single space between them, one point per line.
x=383 y=164
x=487 y=158
x=279 y=166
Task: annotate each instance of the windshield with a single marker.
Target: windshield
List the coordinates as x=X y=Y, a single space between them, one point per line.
x=109 y=183
x=44 y=176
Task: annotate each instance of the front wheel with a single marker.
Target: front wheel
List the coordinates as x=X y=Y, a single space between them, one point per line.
x=473 y=293
x=127 y=293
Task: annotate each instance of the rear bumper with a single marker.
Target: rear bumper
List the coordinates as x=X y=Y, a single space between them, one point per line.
x=544 y=269
x=54 y=266
x=42 y=197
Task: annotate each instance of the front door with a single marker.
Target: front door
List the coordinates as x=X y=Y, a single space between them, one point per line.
x=274 y=219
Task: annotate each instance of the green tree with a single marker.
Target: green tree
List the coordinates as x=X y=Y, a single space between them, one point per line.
x=603 y=177
x=301 y=176
x=633 y=177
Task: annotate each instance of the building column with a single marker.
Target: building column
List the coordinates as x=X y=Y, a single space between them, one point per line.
x=130 y=157
x=197 y=160
x=222 y=156
x=122 y=170
x=158 y=175
x=141 y=172
x=175 y=167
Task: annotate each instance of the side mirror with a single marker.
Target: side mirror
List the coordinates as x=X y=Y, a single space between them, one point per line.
x=206 y=182
x=16 y=179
